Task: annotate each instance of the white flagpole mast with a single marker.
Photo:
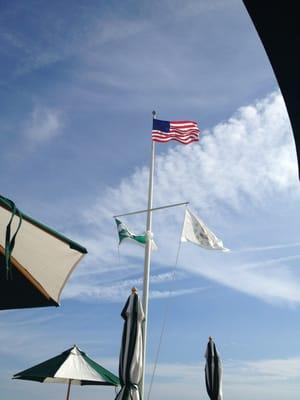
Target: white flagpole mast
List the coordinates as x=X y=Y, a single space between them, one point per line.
x=147 y=260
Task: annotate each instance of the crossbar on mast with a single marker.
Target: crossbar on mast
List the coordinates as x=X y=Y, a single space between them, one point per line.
x=151 y=209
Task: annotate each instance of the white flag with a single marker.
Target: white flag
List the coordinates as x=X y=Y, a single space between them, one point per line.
x=196 y=232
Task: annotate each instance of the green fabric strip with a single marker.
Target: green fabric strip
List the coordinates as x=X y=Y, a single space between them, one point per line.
x=104 y=373
x=45 y=369
x=10 y=241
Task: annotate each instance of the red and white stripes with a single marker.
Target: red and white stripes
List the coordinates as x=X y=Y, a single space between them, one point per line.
x=182 y=131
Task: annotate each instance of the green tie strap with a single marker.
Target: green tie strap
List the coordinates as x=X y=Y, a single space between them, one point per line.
x=10 y=240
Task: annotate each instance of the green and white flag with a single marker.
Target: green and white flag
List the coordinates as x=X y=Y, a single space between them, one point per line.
x=124 y=233
x=195 y=231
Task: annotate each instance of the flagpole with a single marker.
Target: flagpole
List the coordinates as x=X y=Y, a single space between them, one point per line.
x=147 y=259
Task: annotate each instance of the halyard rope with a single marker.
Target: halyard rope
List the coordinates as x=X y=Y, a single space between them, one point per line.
x=165 y=316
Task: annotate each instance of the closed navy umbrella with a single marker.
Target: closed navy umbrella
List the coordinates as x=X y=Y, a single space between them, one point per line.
x=131 y=354
x=213 y=371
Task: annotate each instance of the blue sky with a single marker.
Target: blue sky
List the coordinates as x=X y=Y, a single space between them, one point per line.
x=78 y=83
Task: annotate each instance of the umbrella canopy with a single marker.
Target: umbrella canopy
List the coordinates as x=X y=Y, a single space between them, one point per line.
x=131 y=354
x=277 y=24
x=35 y=260
x=72 y=366
x=213 y=372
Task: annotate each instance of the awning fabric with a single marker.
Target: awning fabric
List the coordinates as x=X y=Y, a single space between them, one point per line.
x=42 y=261
x=277 y=24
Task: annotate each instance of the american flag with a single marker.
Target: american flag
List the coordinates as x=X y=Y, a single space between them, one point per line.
x=183 y=131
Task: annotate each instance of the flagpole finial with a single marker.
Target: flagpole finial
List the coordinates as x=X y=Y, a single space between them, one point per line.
x=133 y=290
x=210 y=338
x=154 y=113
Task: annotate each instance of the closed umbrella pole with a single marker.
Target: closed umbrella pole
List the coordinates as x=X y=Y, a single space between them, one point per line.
x=131 y=353
x=68 y=390
x=213 y=371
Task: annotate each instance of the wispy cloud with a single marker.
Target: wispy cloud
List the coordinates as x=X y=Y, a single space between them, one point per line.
x=247 y=379
x=275 y=369
x=237 y=164
x=95 y=289
x=43 y=125
x=269 y=262
x=279 y=285
x=237 y=160
x=242 y=378
x=22 y=345
x=270 y=247
x=22 y=330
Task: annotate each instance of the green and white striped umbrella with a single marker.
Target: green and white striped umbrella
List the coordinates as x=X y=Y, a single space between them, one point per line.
x=131 y=354
x=72 y=366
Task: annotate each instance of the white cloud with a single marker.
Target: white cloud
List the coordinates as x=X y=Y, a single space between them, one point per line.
x=274 y=378
x=89 y=288
x=22 y=345
x=273 y=247
x=238 y=165
x=275 y=369
x=241 y=378
x=247 y=379
x=276 y=286
x=43 y=124
x=251 y=155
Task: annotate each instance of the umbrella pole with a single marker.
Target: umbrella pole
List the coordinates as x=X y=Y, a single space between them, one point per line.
x=68 y=391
